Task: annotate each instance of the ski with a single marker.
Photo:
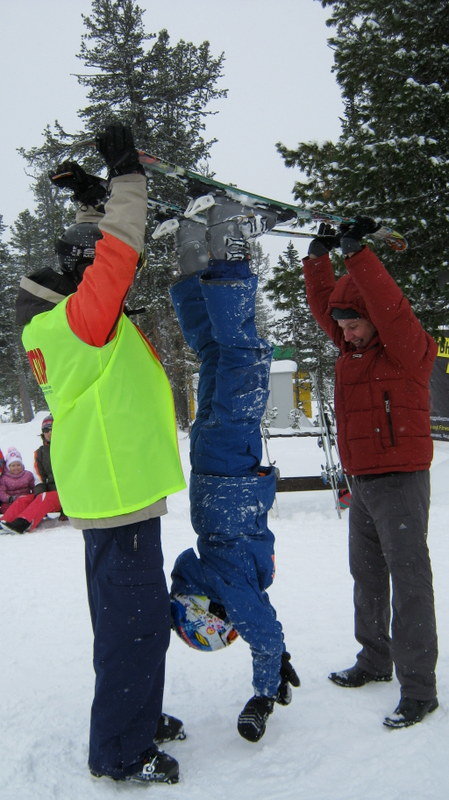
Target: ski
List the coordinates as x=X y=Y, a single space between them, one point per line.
x=332 y=473
x=165 y=208
x=201 y=188
x=171 y=212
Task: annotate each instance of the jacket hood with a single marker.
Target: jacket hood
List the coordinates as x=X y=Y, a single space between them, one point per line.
x=346 y=295
x=40 y=292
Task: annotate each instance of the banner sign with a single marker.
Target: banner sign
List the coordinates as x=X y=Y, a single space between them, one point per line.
x=439 y=391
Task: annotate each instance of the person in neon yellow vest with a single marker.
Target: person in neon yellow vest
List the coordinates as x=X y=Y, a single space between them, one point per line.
x=112 y=404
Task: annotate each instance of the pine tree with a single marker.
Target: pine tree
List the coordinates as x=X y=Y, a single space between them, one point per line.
x=13 y=374
x=260 y=266
x=296 y=328
x=6 y=323
x=162 y=91
x=391 y=160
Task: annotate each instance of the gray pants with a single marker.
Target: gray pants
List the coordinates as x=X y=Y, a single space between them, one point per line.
x=387 y=539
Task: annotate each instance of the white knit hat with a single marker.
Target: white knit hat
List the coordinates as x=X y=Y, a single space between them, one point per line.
x=13 y=455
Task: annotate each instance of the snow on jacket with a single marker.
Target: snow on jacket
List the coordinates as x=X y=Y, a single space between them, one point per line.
x=382 y=397
x=15 y=485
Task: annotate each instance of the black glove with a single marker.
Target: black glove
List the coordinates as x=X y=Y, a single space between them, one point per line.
x=87 y=189
x=288 y=676
x=116 y=145
x=325 y=240
x=11 y=499
x=350 y=237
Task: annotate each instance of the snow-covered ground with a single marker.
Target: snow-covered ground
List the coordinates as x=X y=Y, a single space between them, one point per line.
x=329 y=744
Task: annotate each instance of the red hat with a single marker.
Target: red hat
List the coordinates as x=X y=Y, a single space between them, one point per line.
x=47 y=422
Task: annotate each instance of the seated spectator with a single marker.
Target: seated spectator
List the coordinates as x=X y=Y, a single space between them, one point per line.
x=28 y=511
x=16 y=481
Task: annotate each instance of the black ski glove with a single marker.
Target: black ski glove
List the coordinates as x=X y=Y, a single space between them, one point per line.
x=325 y=241
x=87 y=189
x=350 y=237
x=289 y=677
x=116 y=145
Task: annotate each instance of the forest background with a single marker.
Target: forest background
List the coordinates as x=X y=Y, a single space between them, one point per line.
x=390 y=160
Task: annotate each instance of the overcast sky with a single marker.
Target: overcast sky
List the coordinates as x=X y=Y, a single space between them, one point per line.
x=277 y=71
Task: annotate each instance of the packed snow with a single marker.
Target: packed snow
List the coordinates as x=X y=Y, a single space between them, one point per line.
x=329 y=744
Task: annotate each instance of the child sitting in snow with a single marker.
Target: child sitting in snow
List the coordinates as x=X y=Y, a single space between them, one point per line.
x=27 y=511
x=15 y=481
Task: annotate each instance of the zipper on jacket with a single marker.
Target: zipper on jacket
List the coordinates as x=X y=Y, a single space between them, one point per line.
x=387 y=405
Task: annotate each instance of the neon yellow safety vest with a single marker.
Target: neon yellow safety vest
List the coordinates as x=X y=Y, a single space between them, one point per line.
x=114 y=447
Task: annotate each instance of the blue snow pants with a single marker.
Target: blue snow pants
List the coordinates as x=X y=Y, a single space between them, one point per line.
x=130 y=612
x=230 y=494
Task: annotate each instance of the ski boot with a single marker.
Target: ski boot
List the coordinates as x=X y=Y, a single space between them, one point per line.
x=231 y=226
x=169 y=729
x=18 y=525
x=157 y=767
x=355 y=676
x=190 y=241
x=409 y=712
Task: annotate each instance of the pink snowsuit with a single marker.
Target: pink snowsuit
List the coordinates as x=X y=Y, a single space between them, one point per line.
x=15 y=486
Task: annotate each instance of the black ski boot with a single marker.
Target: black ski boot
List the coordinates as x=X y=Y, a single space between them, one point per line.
x=252 y=720
x=356 y=676
x=169 y=729
x=157 y=767
x=18 y=525
x=409 y=712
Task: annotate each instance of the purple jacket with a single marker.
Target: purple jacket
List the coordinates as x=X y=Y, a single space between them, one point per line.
x=15 y=485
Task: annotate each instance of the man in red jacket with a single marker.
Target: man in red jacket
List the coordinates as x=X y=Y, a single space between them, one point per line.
x=382 y=411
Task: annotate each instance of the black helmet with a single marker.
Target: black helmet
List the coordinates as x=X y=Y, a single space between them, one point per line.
x=76 y=247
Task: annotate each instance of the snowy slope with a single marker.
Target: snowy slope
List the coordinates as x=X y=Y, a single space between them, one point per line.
x=329 y=744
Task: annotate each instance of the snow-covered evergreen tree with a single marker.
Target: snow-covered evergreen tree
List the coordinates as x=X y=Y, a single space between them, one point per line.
x=296 y=328
x=13 y=374
x=391 y=160
x=163 y=91
x=260 y=265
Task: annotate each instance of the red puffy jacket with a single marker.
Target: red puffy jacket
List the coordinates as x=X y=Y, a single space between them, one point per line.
x=382 y=394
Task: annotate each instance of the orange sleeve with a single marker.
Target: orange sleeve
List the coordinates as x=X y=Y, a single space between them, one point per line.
x=95 y=308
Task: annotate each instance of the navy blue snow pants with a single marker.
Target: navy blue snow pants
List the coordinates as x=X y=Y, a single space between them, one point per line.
x=130 y=613
x=230 y=494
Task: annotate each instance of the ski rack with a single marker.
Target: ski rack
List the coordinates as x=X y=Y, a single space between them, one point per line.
x=332 y=472
x=269 y=416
